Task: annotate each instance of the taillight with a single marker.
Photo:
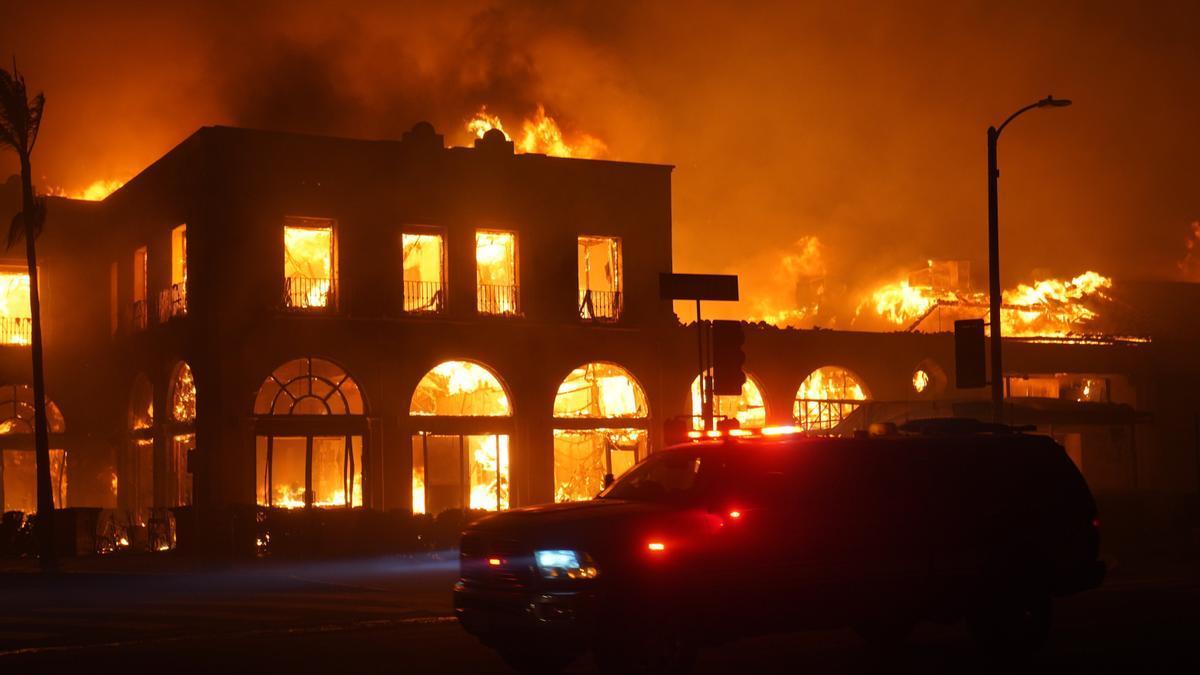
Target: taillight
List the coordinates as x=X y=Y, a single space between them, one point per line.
x=656 y=546
x=1096 y=523
x=735 y=514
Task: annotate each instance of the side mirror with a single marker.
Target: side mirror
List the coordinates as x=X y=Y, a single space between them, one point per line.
x=608 y=480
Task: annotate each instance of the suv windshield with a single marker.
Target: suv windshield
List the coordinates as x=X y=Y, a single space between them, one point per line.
x=667 y=478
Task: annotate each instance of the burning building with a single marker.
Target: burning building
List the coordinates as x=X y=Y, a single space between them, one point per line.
x=265 y=320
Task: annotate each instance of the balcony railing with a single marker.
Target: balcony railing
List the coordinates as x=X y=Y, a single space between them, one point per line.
x=139 y=314
x=305 y=293
x=16 y=330
x=492 y=299
x=172 y=302
x=599 y=305
x=823 y=414
x=424 y=297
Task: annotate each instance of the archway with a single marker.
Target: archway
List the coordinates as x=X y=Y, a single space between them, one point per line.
x=600 y=415
x=310 y=422
x=827 y=396
x=748 y=408
x=460 y=447
x=18 y=462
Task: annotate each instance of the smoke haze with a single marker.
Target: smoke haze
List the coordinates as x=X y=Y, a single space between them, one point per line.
x=858 y=124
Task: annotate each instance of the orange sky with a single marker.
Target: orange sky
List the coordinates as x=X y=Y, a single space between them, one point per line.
x=859 y=124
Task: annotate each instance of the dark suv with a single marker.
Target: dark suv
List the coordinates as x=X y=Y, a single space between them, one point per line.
x=717 y=540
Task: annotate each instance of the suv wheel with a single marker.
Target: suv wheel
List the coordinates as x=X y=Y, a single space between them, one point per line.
x=1012 y=626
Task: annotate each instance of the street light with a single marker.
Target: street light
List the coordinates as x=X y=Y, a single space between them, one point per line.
x=993 y=134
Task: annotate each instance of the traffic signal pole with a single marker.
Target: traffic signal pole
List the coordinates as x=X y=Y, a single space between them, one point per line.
x=703 y=376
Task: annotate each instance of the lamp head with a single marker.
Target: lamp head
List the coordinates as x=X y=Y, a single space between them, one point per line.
x=1054 y=102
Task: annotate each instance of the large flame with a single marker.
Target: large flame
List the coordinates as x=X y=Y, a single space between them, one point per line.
x=539 y=133
x=1044 y=308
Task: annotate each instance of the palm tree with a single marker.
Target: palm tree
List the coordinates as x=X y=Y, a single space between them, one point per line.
x=20 y=119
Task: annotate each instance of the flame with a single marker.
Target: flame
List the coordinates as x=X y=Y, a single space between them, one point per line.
x=183 y=395
x=488 y=472
x=1189 y=266
x=95 y=191
x=1044 y=308
x=15 y=326
x=460 y=389
x=539 y=134
x=826 y=397
x=920 y=381
x=795 y=289
x=308 y=261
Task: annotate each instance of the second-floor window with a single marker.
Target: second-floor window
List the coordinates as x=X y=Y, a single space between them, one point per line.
x=15 y=324
x=309 y=264
x=140 y=288
x=600 y=278
x=498 y=289
x=424 y=271
x=173 y=299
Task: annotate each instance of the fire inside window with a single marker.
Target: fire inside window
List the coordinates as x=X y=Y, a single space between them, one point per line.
x=464 y=463
x=309 y=263
x=182 y=398
x=172 y=301
x=826 y=397
x=140 y=289
x=497 y=290
x=424 y=272
x=600 y=279
x=15 y=324
x=1079 y=388
x=747 y=409
x=18 y=476
x=300 y=462
x=601 y=414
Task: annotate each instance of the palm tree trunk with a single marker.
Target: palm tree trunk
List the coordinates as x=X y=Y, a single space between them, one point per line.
x=47 y=554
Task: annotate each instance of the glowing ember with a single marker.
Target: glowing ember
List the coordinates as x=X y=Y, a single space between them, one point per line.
x=540 y=134
x=183 y=395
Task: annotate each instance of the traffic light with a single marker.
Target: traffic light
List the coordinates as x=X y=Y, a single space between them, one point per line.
x=728 y=358
x=970 y=364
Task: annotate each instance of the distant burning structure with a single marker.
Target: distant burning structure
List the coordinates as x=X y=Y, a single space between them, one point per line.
x=270 y=322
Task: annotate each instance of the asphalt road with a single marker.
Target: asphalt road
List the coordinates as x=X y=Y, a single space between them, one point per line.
x=391 y=615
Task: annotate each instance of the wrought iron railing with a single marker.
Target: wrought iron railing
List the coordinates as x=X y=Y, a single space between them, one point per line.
x=139 y=314
x=492 y=299
x=600 y=305
x=424 y=296
x=16 y=330
x=814 y=414
x=172 y=302
x=306 y=293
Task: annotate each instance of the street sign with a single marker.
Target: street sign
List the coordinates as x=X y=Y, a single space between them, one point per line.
x=970 y=361
x=698 y=286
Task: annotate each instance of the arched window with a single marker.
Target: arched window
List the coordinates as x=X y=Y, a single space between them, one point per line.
x=460 y=389
x=136 y=465
x=18 y=473
x=309 y=387
x=748 y=408
x=600 y=413
x=928 y=379
x=826 y=397
x=181 y=396
x=310 y=425
x=461 y=447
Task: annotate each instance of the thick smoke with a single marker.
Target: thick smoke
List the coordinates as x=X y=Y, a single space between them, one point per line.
x=861 y=125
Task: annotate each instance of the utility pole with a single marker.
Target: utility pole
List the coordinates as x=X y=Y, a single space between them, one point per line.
x=994 y=291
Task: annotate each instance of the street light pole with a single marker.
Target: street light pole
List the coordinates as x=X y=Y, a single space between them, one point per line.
x=994 y=291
